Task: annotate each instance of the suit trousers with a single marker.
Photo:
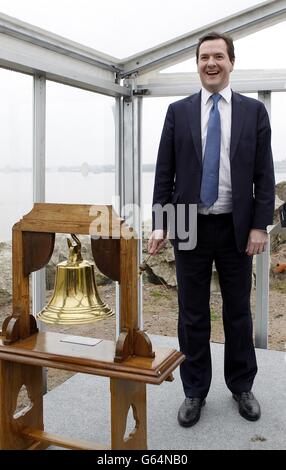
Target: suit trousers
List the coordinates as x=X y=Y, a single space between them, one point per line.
x=215 y=242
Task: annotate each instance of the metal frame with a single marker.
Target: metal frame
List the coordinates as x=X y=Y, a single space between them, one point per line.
x=128 y=119
x=184 y=84
x=32 y=50
x=29 y=49
x=130 y=193
x=32 y=34
x=262 y=271
x=118 y=186
x=238 y=25
x=39 y=146
x=262 y=298
x=46 y=56
x=39 y=168
x=29 y=58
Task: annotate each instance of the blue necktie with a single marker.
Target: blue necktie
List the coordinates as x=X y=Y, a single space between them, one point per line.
x=210 y=179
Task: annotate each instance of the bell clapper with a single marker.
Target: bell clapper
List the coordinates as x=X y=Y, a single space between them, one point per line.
x=74 y=250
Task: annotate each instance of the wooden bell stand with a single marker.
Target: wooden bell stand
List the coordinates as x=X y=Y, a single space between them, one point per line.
x=130 y=363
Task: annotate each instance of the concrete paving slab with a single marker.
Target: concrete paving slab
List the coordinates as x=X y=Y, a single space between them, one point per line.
x=80 y=408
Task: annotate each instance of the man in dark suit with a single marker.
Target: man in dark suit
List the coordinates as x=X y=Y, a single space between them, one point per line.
x=215 y=152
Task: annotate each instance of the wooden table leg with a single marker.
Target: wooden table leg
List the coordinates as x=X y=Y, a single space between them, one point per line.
x=126 y=394
x=13 y=377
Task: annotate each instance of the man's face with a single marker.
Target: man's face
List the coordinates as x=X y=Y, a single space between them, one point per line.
x=214 y=65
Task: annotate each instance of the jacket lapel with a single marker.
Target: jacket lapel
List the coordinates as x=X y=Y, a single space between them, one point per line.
x=237 y=120
x=194 y=116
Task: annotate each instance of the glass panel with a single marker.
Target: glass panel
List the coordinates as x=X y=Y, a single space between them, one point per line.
x=80 y=169
x=251 y=95
x=255 y=51
x=153 y=116
x=187 y=66
x=260 y=50
x=16 y=150
x=80 y=151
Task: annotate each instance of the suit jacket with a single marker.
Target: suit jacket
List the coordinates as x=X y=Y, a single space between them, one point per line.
x=179 y=163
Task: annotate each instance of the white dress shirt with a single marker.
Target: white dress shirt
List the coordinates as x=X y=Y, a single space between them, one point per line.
x=224 y=202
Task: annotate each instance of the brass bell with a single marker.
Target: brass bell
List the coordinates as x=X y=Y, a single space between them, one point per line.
x=75 y=299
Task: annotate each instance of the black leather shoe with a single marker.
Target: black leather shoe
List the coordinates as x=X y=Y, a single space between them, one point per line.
x=248 y=406
x=190 y=411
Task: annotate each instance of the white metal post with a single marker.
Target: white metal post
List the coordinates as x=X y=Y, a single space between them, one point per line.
x=137 y=129
x=262 y=298
x=39 y=131
x=39 y=164
x=118 y=186
x=262 y=272
x=130 y=193
x=265 y=97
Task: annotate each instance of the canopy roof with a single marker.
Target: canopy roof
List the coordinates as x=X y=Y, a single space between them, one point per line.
x=121 y=28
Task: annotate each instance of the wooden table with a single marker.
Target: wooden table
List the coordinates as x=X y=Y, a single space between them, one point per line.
x=130 y=362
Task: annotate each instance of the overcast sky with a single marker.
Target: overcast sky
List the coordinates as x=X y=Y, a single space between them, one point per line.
x=122 y=28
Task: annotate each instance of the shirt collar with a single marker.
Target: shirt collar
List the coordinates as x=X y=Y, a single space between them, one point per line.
x=225 y=93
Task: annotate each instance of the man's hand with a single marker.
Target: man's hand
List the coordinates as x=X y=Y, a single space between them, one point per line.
x=157 y=240
x=257 y=242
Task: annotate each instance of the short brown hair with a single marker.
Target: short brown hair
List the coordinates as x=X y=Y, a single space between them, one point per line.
x=214 y=35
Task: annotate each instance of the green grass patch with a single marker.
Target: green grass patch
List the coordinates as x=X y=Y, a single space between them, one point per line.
x=214 y=316
x=279 y=286
x=157 y=294
x=160 y=294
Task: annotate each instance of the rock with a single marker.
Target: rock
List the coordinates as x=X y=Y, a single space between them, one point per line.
x=278 y=260
x=278 y=203
x=281 y=190
x=60 y=254
x=5 y=297
x=6 y=271
x=279 y=238
x=161 y=268
x=215 y=287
